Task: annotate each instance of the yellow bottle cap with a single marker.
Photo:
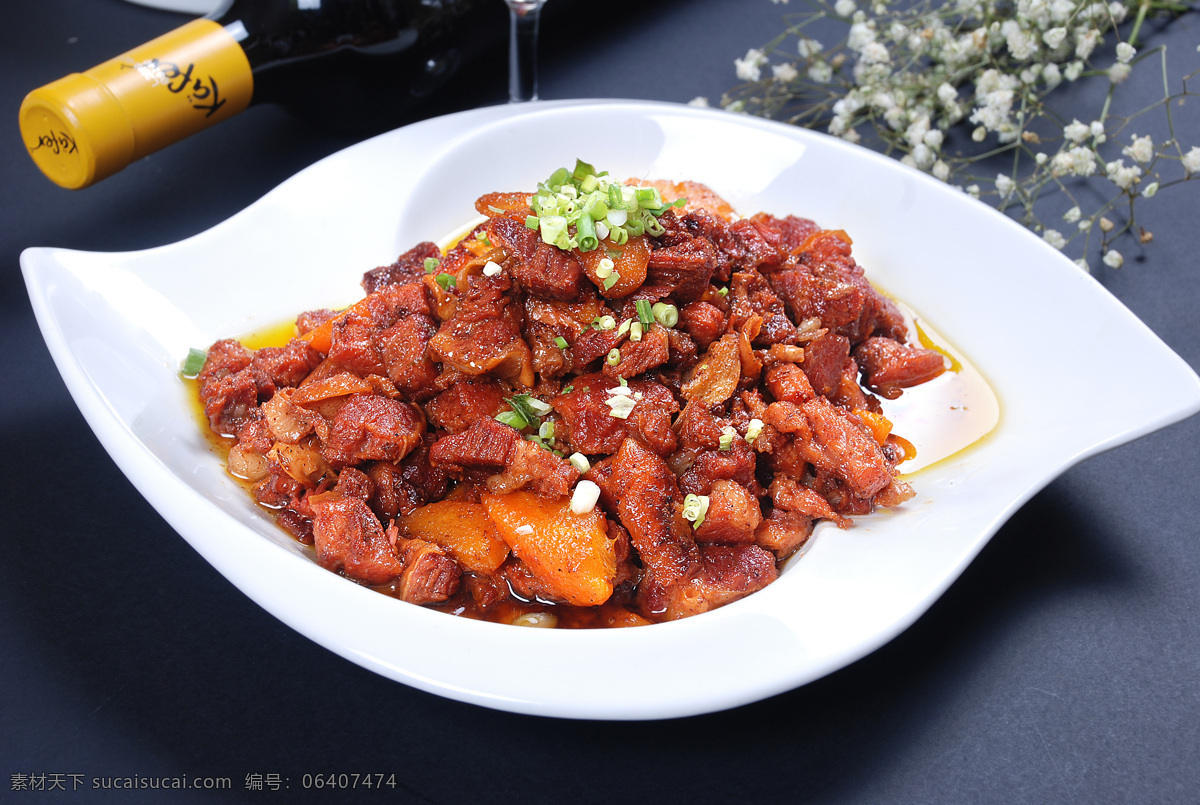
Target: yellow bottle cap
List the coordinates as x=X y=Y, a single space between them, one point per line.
x=87 y=126
x=76 y=131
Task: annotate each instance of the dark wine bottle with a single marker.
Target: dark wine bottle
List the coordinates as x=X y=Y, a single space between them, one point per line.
x=359 y=63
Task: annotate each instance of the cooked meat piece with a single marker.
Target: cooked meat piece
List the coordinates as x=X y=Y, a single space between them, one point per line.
x=404 y=349
x=783 y=532
x=641 y=356
x=590 y=427
x=348 y=538
x=830 y=439
x=539 y=267
x=728 y=572
x=702 y=321
x=528 y=465
x=484 y=445
x=733 y=515
x=466 y=402
x=408 y=266
x=430 y=576
x=824 y=360
x=369 y=427
x=649 y=505
x=484 y=335
x=890 y=366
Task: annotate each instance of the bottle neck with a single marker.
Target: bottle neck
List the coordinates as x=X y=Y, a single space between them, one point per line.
x=90 y=125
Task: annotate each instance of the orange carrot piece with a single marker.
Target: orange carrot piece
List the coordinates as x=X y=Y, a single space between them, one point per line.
x=569 y=553
x=463 y=529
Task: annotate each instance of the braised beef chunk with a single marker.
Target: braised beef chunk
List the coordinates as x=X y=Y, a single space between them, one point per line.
x=718 y=378
x=650 y=507
x=486 y=444
x=349 y=538
x=541 y=268
x=369 y=427
x=410 y=265
x=728 y=572
x=889 y=366
x=467 y=401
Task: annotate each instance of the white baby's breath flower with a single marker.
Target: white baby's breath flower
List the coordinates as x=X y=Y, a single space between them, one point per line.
x=1083 y=161
x=1072 y=215
x=979 y=134
x=851 y=136
x=1086 y=40
x=861 y=34
x=1005 y=186
x=1051 y=74
x=1125 y=52
x=820 y=72
x=1076 y=132
x=1118 y=72
x=699 y=100
x=1073 y=70
x=1097 y=129
x=808 y=48
x=1191 y=160
x=1113 y=259
x=1122 y=176
x=749 y=68
x=946 y=94
x=784 y=73
x=933 y=138
x=972 y=190
x=1054 y=238
x=1149 y=190
x=1054 y=37
x=1118 y=12
x=1061 y=164
x=924 y=156
x=941 y=170
x=876 y=53
x=844 y=8
x=1141 y=149
x=1040 y=158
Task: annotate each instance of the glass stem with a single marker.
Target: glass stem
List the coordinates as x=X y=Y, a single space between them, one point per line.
x=522 y=50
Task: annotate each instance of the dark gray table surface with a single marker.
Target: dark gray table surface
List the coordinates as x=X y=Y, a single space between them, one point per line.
x=1063 y=666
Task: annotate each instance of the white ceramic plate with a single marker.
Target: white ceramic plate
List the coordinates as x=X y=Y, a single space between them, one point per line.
x=119 y=324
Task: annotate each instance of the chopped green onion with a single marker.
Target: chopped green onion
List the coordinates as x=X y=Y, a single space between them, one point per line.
x=554 y=229
x=491 y=269
x=580 y=462
x=532 y=222
x=585 y=233
x=622 y=381
x=447 y=281
x=754 y=430
x=617 y=217
x=605 y=322
x=546 y=431
x=613 y=357
x=620 y=407
x=694 y=509
x=635 y=331
x=582 y=170
x=636 y=227
x=495 y=209
x=722 y=292
x=611 y=280
x=512 y=419
x=624 y=328
x=645 y=312
x=482 y=237
x=560 y=342
x=568 y=389
x=431 y=264
x=601 y=230
x=648 y=197
x=585 y=497
x=193 y=363
x=604 y=268
x=524 y=406
x=665 y=314
x=726 y=441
